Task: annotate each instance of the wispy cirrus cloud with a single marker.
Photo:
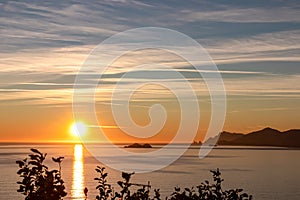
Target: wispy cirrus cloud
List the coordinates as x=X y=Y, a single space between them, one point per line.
x=44 y=43
x=38 y=25
x=243 y=15
x=279 y=46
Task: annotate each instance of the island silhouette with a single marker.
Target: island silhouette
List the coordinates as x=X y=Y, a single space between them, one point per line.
x=138 y=145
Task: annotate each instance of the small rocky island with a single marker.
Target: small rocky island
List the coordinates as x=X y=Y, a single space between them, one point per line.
x=137 y=145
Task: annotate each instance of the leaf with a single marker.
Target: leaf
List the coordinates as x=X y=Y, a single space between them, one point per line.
x=104 y=175
x=54 y=171
x=98 y=170
x=126 y=176
x=20 y=171
x=120 y=183
x=21 y=163
x=45 y=166
x=21 y=189
x=33 y=162
x=36 y=151
x=58 y=160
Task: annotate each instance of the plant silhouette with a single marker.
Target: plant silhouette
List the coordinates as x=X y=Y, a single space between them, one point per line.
x=204 y=191
x=209 y=191
x=38 y=182
x=105 y=189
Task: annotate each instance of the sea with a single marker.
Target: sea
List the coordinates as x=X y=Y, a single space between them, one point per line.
x=264 y=172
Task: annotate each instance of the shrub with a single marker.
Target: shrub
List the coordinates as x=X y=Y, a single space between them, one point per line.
x=204 y=191
x=105 y=189
x=209 y=191
x=38 y=182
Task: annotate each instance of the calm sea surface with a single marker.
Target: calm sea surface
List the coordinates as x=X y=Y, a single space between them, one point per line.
x=267 y=173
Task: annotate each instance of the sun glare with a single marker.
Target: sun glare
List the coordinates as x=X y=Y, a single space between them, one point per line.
x=78 y=129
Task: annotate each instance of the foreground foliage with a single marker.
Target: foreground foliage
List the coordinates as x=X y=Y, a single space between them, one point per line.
x=40 y=183
x=204 y=191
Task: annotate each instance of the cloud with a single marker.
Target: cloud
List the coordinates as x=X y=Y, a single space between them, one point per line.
x=279 y=46
x=245 y=15
x=273 y=85
x=45 y=60
x=38 y=25
x=44 y=44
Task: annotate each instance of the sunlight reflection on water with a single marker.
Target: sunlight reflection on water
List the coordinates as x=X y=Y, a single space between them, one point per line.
x=78 y=173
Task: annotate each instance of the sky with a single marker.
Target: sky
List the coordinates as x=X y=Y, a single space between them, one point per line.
x=255 y=45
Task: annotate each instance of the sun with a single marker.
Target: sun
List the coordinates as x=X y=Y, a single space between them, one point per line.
x=78 y=129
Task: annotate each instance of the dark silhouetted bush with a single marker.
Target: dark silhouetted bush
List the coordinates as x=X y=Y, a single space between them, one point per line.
x=204 y=191
x=105 y=189
x=38 y=182
x=210 y=191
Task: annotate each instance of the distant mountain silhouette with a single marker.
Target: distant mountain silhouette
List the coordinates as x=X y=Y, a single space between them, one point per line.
x=264 y=137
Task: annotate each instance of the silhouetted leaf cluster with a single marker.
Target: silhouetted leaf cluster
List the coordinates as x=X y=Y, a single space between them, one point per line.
x=204 y=191
x=207 y=191
x=106 y=192
x=38 y=182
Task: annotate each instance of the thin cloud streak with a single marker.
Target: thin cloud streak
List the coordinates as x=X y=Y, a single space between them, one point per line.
x=280 y=46
x=244 y=15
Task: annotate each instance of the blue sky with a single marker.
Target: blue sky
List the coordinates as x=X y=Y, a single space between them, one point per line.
x=255 y=44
